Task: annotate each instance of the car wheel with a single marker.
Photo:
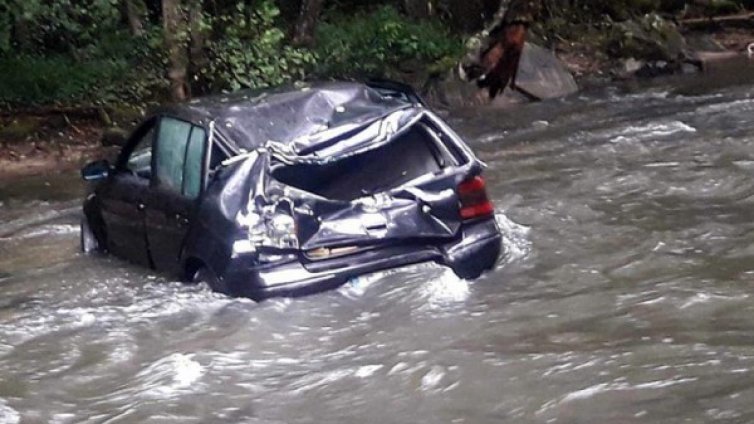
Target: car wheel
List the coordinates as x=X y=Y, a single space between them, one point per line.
x=88 y=240
x=206 y=276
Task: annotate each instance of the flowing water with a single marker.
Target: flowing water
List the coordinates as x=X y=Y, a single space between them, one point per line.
x=627 y=294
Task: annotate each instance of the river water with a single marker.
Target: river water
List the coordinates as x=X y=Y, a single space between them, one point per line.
x=626 y=295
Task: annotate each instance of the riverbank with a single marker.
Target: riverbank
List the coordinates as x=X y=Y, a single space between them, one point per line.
x=32 y=144
x=40 y=141
x=601 y=56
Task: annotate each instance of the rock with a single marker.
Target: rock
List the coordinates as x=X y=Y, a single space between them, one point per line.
x=690 y=68
x=703 y=43
x=125 y=116
x=650 y=38
x=114 y=137
x=658 y=68
x=509 y=98
x=20 y=128
x=453 y=92
x=705 y=58
x=542 y=75
x=631 y=66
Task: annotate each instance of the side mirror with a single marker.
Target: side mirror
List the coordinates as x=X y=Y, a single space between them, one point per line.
x=94 y=171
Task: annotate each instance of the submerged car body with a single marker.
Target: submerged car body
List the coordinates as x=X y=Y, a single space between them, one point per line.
x=293 y=191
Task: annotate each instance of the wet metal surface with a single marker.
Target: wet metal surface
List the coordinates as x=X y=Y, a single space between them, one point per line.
x=626 y=297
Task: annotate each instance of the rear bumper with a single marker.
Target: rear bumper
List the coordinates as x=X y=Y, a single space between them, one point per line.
x=475 y=252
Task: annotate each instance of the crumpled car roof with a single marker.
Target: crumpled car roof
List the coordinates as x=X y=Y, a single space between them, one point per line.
x=252 y=118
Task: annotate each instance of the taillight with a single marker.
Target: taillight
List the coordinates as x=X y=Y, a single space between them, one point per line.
x=474 y=201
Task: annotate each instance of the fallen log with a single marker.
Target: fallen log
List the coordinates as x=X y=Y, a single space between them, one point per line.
x=77 y=112
x=741 y=19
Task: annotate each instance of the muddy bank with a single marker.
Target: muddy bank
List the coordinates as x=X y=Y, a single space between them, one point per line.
x=48 y=141
x=34 y=142
x=647 y=47
x=522 y=57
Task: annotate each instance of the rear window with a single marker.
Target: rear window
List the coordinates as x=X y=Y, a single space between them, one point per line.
x=412 y=155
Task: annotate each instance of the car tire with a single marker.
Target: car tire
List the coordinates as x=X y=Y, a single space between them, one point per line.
x=88 y=241
x=206 y=276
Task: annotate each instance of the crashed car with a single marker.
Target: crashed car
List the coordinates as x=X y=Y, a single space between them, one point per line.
x=293 y=191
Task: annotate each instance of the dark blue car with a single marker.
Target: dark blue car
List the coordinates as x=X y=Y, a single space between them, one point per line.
x=293 y=191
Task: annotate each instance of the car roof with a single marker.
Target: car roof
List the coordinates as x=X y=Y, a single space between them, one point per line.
x=251 y=118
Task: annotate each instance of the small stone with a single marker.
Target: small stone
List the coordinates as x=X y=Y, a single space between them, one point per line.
x=631 y=65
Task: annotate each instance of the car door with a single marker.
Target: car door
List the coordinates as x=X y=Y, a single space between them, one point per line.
x=176 y=184
x=123 y=195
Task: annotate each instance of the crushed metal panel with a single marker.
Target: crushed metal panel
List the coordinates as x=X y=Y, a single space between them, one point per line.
x=283 y=218
x=285 y=116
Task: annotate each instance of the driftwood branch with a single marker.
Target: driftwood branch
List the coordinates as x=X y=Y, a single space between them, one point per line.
x=742 y=19
x=77 y=112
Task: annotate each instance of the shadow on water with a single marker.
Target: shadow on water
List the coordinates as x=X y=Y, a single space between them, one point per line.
x=625 y=296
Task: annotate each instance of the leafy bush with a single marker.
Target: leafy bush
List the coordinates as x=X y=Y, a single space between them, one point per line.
x=52 y=79
x=117 y=71
x=248 y=50
x=378 y=43
x=58 y=26
x=76 y=52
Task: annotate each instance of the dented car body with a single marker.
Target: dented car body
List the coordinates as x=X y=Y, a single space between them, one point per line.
x=293 y=191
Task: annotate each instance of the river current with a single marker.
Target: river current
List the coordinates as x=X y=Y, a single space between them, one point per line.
x=626 y=295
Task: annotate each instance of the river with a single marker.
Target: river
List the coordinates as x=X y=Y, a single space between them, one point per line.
x=627 y=294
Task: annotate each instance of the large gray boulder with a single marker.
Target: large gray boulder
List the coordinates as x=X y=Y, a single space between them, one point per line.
x=541 y=75
x=650 y=38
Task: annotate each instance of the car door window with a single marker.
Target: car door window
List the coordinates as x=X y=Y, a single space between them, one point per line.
x=180 y=157
x=140 y=160
x=192 y=173
x=171 y=152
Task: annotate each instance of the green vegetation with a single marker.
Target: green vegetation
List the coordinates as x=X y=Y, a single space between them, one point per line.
x=250 y=50
x=41 y=80
x=56 y=52
x=107 y=52
x=382 y=43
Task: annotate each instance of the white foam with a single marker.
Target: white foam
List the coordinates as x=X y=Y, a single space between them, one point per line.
x=367 y=371
x=651 y=131
x=701 y=298
x=170 y=375
x=592 y=391
x=516 y=243
x=8 y=415
x=433 y=378
x=616 y=386
x=726 y=107
x=447 y=288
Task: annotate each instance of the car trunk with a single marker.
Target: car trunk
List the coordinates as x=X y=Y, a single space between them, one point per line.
x=402 y=191
x=401 y=180
x=412 y=155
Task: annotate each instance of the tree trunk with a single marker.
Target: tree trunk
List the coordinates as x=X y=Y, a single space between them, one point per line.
x=21 y=34
x=742 y=20
x=174 y=25
x=197 y=55
x=467 y=15
x=135 y=13
x=306 y=25
x=419 y=9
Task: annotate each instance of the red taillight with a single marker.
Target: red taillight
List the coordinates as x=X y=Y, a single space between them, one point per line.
x=474 y=201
